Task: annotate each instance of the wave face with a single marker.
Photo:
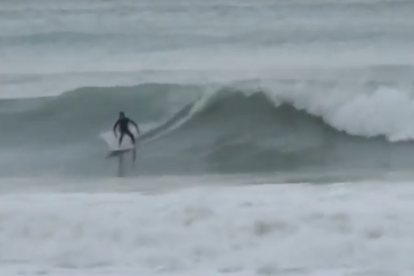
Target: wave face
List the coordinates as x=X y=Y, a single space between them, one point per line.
x=188 y=129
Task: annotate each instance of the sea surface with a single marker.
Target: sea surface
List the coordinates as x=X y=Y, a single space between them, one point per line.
x=277 y=137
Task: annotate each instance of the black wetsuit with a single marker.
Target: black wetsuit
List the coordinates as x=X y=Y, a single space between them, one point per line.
x=123 y=129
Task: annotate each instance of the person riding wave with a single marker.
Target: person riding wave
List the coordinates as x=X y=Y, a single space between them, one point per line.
x=123 y=123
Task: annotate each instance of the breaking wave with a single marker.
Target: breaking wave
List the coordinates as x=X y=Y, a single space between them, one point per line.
x=190 y=129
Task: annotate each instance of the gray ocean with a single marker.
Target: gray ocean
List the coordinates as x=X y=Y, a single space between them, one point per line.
x=236 y=101
x=216 y=86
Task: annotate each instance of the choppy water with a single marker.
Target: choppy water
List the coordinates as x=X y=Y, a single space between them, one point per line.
x=263 y=86
x=265 y=92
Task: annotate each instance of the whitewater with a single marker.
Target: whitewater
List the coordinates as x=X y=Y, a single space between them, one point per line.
x=277 y=137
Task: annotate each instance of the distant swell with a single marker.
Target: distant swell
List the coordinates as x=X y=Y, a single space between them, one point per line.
x=187 y=131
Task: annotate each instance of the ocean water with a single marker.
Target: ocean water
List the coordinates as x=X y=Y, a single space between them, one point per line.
x=277 y=137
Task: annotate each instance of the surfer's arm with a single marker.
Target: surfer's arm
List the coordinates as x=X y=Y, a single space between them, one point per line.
x=135 y=125
x=115 y=125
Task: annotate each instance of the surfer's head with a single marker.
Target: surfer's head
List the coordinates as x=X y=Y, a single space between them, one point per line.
x=121 y=114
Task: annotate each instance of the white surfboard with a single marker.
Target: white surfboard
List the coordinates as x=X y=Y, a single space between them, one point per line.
x=112 y=142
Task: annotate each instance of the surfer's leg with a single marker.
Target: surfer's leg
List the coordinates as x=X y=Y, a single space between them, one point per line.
x=120 y=138
x=130 y=136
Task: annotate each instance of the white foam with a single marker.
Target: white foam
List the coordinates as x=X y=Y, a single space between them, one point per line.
x=264 y=230
x=354 y=108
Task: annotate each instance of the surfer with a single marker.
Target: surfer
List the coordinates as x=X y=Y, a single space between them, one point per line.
x=123 y=123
